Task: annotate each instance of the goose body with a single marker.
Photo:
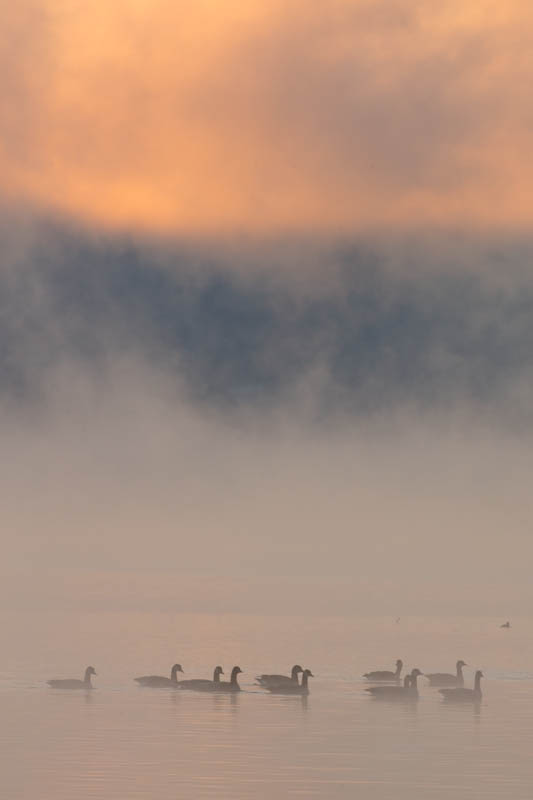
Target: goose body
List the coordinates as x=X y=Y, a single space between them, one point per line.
x=462 y=695
x=447 y=679
x=203 y=684
x=74 y=683
x=291 y=687
x=385 y=675
x=231 y=685
x=408 y=691
x=276 y=680
x=159 y=681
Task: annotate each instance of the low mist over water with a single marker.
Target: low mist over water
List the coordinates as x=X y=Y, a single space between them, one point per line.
x=120 y=740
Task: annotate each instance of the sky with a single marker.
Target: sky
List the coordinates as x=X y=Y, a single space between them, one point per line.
x=266 y=306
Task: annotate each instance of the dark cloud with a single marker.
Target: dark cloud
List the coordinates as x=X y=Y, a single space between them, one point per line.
x=394 y=326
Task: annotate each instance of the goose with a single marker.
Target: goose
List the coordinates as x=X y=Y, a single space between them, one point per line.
x=231 y=685
x=462 y=695
x=447 y=679
x=275 y=680
x=293 y=688
x=385 y=675
x=74 y=683
x=409 y=690
x=506 y=624
x=203 y=684
x=159 y=682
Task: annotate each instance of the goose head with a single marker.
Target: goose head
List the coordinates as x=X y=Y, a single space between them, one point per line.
x=296 y=669
x=176 y=668
x=90 y=671
x=219 y=671
x=460 y=664
x=308 y=673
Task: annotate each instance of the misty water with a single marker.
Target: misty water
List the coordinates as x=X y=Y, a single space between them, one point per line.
x=121 y=741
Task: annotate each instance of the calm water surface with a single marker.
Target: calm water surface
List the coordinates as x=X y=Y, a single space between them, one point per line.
x=121 y=741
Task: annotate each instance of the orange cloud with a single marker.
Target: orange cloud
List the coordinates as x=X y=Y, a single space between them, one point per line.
x=261 y=115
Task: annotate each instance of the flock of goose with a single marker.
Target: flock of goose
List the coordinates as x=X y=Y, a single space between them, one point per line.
x=278 y=684
x=388 y=683
x=451 y=686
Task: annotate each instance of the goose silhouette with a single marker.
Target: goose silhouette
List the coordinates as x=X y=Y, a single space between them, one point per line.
x=409 y=690
x=462 y=695
x=203 y=684
x=385 y=675
x=160 y=682
x=289 y=687
x=231 y=685
x=74 y=683
x=447 y=679
x=275 y=680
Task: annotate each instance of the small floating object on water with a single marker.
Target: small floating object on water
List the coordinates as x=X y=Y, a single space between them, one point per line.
x=462 y=695
x=506 y=624
x=160 y=682
x=74 y=683
x=385 y=675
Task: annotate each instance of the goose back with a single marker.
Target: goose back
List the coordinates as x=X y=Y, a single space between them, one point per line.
x=276 y=680
x=159 y=681
x=385 y=675
x=203 y=684
x=448 y=679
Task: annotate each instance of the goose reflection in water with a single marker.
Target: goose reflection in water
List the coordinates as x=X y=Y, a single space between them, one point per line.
x=226 y=702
